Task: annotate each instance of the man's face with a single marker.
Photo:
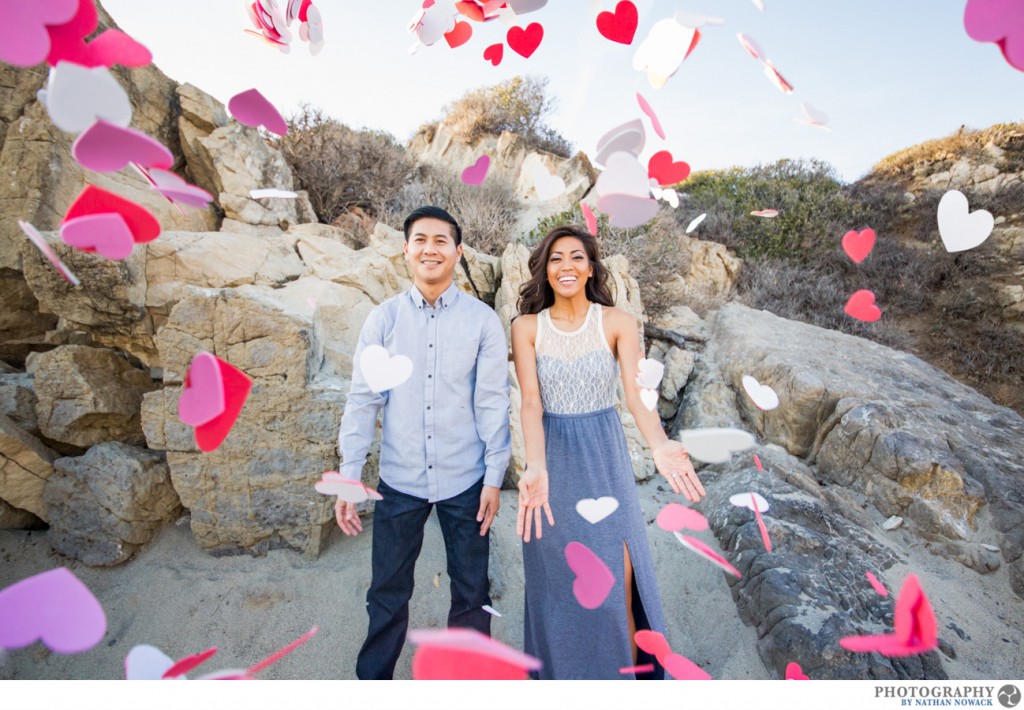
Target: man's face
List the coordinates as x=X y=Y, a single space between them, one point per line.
x=431 y=251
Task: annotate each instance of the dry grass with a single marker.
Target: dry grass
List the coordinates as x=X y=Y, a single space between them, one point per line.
x=937 y=155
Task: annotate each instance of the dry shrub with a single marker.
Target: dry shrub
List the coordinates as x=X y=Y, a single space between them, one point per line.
x=342 y=168
x=937 y=155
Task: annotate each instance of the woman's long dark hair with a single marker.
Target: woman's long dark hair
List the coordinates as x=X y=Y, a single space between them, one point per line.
x=536 y=294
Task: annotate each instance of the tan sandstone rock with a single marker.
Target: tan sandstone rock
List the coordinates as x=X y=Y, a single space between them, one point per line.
x=25 y=464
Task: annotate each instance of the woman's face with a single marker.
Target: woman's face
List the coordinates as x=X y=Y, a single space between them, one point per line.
x=568 y=267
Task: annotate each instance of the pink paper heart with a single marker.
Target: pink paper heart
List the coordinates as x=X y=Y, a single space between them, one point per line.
x=862 y=307
x=707 y=553
x=252 y=108
x=104 y=147
x=795 y=672
x=202 y=398
x=655 y=123
x=594 y=581
x=858 y=245
x=627 y=211
x=682 y=668
x=760 y=524
x=475 y=173
x=333 y=483
x=466 y=654
x=54 y=607
x=176 y=189
x=44 y=248
x=590 y=218
x=675 y=517
x=106 y=234
x=113 y=46
x=877 y=585
x=916 y=630
x=24 y=40
x=999 y=21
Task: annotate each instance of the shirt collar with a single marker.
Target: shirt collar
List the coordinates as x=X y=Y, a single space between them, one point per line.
x=445 y=300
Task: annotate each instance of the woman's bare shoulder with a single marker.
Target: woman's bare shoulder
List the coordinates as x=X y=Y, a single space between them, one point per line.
x=525 y=324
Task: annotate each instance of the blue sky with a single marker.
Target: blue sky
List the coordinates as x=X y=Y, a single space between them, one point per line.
x=889 y=73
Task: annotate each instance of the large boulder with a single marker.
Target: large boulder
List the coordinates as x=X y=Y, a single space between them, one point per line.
x=25 y=465
x=18 y=400
x=89 y=395
x=107 y=504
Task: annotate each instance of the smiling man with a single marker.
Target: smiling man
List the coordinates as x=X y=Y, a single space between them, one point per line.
x=444 y=439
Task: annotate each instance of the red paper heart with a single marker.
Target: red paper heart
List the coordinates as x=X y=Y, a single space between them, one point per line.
x=915 y=628
x=619 y=26
x=590 y=217
x=525 y=41
x=652 y=642
x=858 y=245
x=661 y=168
x=760 y=525
x=877 y=585
x=795 y=672
x=459 y=35
x=862 y=307
x=115 y=47
x=112 y=46
x=96 y=200
x=470 y=10
x=682 y=668
x=236 y=390
x=494 y=53
x=436 y=663
x=189 y=663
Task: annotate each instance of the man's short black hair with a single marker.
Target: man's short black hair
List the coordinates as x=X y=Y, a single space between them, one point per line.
x=435 y=213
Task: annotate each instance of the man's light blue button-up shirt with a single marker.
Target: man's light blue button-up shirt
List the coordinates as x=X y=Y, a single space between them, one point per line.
x=447 y=425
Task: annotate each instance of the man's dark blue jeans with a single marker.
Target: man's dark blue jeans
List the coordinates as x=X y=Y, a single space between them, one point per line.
x=398 y=522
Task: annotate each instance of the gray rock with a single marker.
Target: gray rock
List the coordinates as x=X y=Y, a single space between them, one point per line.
x=12 y=518
x=106 y=505
x=18 y=400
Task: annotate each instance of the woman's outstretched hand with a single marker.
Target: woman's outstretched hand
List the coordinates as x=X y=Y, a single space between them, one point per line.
x=533 y=498
x=673 y=463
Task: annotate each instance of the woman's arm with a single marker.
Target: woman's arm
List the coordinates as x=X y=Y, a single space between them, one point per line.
x=533 y=484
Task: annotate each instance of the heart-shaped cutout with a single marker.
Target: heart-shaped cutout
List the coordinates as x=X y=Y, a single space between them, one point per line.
x=665 y=48
x=682 y=668
x=253 y=109
x=44 y=248
x=104 y=147
x=594 y=581
x=776 y=78
x=652 y=642
x=959 y=228
x=813 y=117
x=545 y=185
x=716 y=445
x=95 y=200
x=795 y=672
x=649 y=398
x=53 y=607
x=189 y=663
x=876 y=585
x=202 y=398
x=766 y=214
x=594 y=510
x=861 y=306
x=916 y=630
x=750 y=44
x=627 y=211
x=858 y=245
x=237 y=385
x=590 y=218
x=524 y=41
x=272 y=192
x=630 y=138
x=763 y=396
x=24 y=40
x=695 y=545
x=655 y=123
x=67 y=40
x=665 y=171
x=333 y=483
x=695 y=222
x=620 y=25
x=751 y=500
x=466 y=654
x=675 y=517
x=112 y=46
x=175 y=189
x=623 y=175
x=461 y=34
x=76 y=97
x=649 y=373
x=146 y=663
x=998 y=22
x=105 y=234
x=760 y=523
x=477 y=172
x=494 y=53
x=381 y=370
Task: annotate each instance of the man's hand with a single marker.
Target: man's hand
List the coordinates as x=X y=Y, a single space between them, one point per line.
x=348 y=519
x=490 y=501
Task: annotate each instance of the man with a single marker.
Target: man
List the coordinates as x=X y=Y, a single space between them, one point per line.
x=444 y=442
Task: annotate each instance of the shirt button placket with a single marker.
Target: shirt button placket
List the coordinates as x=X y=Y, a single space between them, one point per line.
x=428 y=399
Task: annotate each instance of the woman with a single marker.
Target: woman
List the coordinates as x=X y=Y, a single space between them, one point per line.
x=565 y=344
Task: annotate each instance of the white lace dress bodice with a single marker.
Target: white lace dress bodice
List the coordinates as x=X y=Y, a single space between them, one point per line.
x=576 y=370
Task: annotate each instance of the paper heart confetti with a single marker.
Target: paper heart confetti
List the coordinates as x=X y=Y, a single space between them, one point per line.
x=590 y=218
x=959 y=228
x=637 y=670
x=861 y=305
x=115 y=47
x=716 y=445
x=110 y=47
x=667 y=45
x=234 y=386
x=998 y=21
x=757 y=462
x=795 y=672
x=750 y=44
x=751 y=500
x=876 y=585
x=461 y=34
x=477 y=172
x=312 y=29
x=760 y=522
x=649 y=373
x=682 y=668
x=479 y=10
x=521 y=7
x=661 y=168
x=761 y=395
x=623 y=175
x=813 y=117
x=333 y=483
x=105 y=234
x=546 y=186
x=767 y=214
x=695 y=545
x=270 y=192
x=76 y=97
x=494 y=53
x=915 y=628
x=655 y=123
x=491 y=610
x=594 y=581
x=381 y=370
x=668 y=195
x=24 y=40
x=95 y=200
x=776 y=78
x=53 y=607
x=253 y=109
x=627 y=138
x=145 y=662
x=649 y=398
x=858 y=245
x=652 y=643
x=202 y=398
x=175 y=189
x=627 y=211
x=759 y=4
x=44 y=247
x=432 y=22
x=675 y=517
x=188 y=663
x=696 y=222
x=105 y=147
x=524 y=41
x=594 y=510
x=620 y=25
x=466 y=654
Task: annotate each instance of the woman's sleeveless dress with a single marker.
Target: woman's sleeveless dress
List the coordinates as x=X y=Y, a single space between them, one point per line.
x=586 y=458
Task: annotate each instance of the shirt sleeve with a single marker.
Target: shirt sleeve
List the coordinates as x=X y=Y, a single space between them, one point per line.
x=359 y=422
x=490 y=401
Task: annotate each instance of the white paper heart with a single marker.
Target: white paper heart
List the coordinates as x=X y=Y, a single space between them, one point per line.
x=666 y=46
x=521 y=7
x=716 y=445
x=649 y=373
x=546 y=186
x=962 y=230
x=627 y=211
x=813 y=117
x=623 y=175
x=594 y=510
x=649 y=398
x=762 y=395
x=627 y=138
x=430 y=24
x=696 y=222
x=742 y=500
x=383 y=371
x=272 y=192
x=334 y=484
x=76 y=97
x=146 y=663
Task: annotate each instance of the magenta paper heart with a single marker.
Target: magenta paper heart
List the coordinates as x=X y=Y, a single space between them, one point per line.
x=858 y=245
x=682 y=668
x=53 y=607
x=471 y=641
x=915 y=628
x=795 y=672
x=24 y=40
x=475 y=173
x=862 y=307
x=999 y=21
x=674 y=517
x=876 y=585
x=594 y=581
x=252 y=108
x=106 y=234
x=104 y=147
x=202 y=399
